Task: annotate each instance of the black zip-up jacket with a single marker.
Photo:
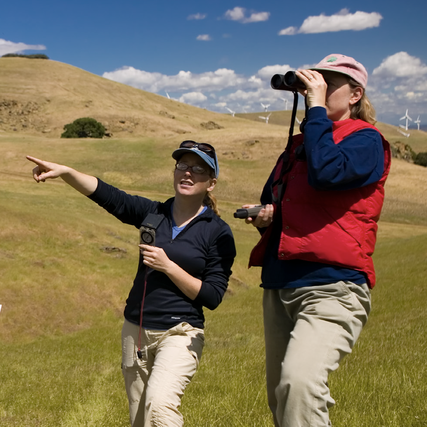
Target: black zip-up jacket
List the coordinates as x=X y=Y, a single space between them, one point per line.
x=205 y=249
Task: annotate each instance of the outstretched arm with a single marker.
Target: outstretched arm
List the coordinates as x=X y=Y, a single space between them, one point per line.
x=85 y=184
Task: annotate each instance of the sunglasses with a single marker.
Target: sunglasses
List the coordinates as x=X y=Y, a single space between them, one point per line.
x=196 y=168
x=202 y=146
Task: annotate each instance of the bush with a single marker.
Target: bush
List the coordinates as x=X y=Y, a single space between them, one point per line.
x=84 y=128
x=401 y=150
x=421 y=159
x=33 y=56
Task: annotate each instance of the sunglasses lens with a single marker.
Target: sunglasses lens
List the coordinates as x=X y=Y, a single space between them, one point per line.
x=196 y=169
x=187 y=144
x=206 y=148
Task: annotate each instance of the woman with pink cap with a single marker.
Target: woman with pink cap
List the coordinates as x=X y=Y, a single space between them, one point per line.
x=322 y=203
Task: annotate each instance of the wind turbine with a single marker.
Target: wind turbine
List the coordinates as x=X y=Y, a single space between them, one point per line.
x=265 y=118
x=168 y=95
x=231 y=111
x=286 y=102
x=418 y=122
x=407 y=134
x=265 y=106
x=405 y=117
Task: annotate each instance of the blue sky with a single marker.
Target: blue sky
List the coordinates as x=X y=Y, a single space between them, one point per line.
x=220 y=55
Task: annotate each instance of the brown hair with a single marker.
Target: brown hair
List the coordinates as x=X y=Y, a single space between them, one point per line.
x=210 y=200
x=363 y=109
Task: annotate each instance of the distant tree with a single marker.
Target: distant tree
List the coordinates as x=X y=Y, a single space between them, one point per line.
x=85 y=127
x=37 y=56
x=19 y=55
x=421 y=159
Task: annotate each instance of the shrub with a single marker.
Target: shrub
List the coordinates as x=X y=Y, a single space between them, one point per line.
x=19 y=55
x=401 y=150
x=85 y=127
x=421 y=159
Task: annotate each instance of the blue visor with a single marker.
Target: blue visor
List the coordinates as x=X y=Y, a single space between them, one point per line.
x=205 y=151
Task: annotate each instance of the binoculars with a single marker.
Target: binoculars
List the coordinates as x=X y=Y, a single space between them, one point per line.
x=288 y=81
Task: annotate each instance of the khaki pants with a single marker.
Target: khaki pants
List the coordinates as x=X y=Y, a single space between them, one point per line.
x=156 y=384
x=307 y=333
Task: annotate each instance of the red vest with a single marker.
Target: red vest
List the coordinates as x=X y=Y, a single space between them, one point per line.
x=331 y=227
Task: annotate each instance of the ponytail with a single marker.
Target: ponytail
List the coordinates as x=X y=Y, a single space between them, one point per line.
x=210 y=201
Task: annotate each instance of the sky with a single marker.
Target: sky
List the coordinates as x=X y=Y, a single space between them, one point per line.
x=220 y=55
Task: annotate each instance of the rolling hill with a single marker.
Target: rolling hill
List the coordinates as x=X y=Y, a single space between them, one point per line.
x=40 y=96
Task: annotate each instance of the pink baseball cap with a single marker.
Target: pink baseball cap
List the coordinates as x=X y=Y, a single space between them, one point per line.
x=344 y=65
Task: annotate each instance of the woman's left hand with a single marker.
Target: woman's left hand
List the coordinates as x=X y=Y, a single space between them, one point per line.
x=155 y=257
x=316 y=87
x=264 y=218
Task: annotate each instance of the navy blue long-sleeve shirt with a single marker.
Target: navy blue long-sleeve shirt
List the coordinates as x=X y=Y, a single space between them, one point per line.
x=204 y=248
x=358 y=160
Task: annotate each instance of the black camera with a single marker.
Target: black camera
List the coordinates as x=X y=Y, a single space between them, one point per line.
x=288 y=81
x=249 y=212
x=149 y=227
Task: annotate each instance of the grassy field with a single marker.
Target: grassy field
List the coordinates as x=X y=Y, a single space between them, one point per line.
x=67 y=266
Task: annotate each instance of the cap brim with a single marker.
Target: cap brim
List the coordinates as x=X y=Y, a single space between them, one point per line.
x=337 y=71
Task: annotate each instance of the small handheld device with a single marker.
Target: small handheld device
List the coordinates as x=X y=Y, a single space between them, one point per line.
x=248 y=212
x=148 y=228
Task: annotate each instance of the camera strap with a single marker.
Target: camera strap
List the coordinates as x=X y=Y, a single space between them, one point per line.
x=139 y=352
x=279 y=183
x=151 y=221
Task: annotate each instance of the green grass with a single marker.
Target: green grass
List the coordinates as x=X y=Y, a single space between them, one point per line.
x=63 y=297
x=386 y=375
x=71 y=380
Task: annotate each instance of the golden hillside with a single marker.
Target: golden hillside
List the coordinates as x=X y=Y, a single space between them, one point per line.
x=41 y=96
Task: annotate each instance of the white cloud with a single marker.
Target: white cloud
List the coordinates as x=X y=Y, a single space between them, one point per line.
x=398 y=82
x=290 y=31
x=194 y=98
x=341 y=21
x=11 y=47
x=257 y=17
x=197 y=16
x=184 y=80
x=400 y=64
x=268 y=71
x=236 y=14
x=239 y=14
x=204 y=37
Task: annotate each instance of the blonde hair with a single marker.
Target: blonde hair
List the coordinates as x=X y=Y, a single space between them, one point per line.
x=363 y=109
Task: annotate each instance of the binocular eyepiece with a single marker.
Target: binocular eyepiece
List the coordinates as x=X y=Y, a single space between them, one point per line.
x=288 y=81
